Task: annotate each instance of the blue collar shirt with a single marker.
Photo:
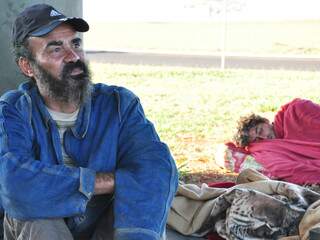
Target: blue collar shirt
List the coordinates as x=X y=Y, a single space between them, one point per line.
x=111 y=134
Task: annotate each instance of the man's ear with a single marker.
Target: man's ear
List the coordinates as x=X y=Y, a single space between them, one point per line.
x=25 y=67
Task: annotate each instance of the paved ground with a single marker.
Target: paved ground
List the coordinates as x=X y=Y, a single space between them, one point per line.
x=173 y=235
x=205 y=61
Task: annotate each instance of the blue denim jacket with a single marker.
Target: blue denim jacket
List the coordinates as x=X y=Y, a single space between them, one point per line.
x=111 y=134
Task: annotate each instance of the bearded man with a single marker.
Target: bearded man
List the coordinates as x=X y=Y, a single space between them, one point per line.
x=72 y=150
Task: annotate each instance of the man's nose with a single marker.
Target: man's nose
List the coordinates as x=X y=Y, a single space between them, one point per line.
x=71 y=56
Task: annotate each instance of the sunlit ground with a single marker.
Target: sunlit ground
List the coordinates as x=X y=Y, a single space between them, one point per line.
x=195 y=110
x=248 y=38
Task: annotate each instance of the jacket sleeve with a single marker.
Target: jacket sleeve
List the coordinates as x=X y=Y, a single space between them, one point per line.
x=30 y=188
x=146 y=176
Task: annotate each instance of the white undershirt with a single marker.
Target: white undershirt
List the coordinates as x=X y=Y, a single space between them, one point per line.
x=64 y=121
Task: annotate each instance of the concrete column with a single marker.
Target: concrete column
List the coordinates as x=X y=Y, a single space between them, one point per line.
x=10 y=76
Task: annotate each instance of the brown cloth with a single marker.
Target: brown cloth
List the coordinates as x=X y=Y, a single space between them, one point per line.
x=256 y=208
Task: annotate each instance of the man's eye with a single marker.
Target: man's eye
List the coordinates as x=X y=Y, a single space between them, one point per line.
x=57 y=49
x=77 y=45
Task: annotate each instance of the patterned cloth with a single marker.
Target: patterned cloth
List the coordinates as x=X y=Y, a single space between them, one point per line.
x=264 y=209
x=237 y=161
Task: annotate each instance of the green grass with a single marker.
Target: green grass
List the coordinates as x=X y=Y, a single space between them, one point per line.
x=194 y=110
x=285 y=37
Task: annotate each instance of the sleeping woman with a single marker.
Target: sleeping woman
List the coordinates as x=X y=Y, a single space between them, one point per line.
x=287 y=149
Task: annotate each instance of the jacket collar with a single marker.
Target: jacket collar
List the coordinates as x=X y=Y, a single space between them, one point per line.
x=81 y=127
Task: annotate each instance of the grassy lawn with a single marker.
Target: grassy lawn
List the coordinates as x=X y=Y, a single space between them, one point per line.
x=195 y=110
x=287 y=37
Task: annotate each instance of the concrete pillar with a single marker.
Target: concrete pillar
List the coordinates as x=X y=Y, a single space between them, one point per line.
x=10 y=76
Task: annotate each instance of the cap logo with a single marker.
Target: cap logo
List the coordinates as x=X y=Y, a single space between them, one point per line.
x=54 y=13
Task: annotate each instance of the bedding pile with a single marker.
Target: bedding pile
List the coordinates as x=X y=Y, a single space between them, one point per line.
x=262 y=209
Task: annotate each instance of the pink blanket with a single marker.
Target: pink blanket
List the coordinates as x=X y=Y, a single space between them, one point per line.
x=299 y=120
x=289 y=160
x=295 y=155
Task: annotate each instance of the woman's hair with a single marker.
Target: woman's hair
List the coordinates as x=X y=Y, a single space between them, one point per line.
x=245 y=123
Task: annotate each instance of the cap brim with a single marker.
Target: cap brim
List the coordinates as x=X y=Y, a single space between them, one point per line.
x=78 y=24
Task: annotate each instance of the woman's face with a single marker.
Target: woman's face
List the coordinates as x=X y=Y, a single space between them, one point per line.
x=261 y=131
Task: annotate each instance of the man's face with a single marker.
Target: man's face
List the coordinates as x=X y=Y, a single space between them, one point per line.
x=261 y=131
x=58 y=65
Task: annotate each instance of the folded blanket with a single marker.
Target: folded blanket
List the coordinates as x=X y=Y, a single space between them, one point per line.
x=264 y=209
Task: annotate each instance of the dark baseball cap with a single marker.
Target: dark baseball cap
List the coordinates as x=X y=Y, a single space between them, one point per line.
x=40 y=19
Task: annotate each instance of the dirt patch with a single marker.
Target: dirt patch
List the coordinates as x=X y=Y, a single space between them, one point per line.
x=201 y=171
x=208 y=177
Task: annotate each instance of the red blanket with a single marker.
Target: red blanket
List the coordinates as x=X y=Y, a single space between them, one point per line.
x=289 y=160
x=298 y=120
x=295 y=155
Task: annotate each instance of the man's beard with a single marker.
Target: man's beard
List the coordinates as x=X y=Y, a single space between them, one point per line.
x=67 y=88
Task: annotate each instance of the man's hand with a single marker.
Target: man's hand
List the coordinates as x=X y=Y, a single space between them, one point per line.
x=104 y=183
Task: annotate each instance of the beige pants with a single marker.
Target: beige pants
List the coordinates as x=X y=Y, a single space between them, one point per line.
x=54 y=229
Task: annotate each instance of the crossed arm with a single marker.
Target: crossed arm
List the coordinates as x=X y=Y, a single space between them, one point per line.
x=104 y=183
